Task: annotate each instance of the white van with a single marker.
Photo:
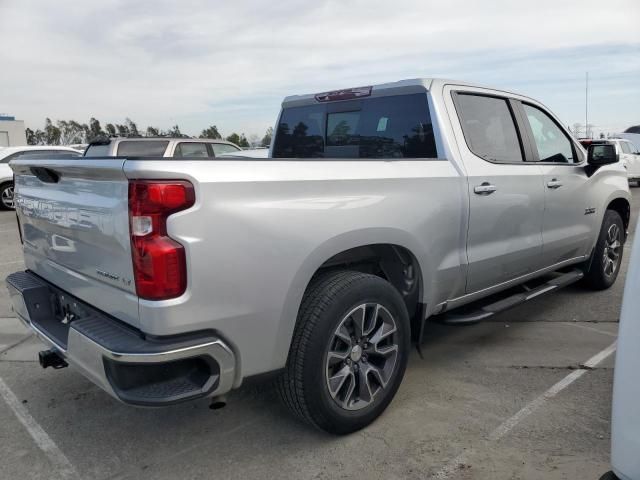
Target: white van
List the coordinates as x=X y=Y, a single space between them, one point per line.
x=625 y=422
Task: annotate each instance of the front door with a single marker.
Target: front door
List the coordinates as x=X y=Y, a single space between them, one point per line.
x=569 y=218
x=506 y=194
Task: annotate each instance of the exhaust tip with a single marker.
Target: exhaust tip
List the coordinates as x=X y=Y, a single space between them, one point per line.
x=218 y=402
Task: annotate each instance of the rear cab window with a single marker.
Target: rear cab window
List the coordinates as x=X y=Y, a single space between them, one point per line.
x=397 y=126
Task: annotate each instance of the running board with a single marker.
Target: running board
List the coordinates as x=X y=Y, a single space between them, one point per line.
x=485 y=311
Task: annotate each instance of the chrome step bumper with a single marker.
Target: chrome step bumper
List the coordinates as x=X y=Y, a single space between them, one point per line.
x=129 y=365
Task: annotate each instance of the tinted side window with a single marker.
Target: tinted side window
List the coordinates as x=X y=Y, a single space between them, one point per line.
x=625 y=147
x=191 y=149
x=220 y=149
x=552 y=143
x=489 y=128
x=384 y=127
x=151 y=148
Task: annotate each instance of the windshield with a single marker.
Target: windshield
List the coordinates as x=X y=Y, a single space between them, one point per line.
x=380 y=127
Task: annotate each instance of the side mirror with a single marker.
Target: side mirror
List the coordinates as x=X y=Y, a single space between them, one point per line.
x=602 y=154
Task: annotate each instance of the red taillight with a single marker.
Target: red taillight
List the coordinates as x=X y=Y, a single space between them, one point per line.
x=159 y=263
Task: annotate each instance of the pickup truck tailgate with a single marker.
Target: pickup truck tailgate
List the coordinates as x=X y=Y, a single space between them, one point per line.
x=74 y=222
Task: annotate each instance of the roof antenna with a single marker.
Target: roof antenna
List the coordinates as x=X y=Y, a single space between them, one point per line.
x=586 y=107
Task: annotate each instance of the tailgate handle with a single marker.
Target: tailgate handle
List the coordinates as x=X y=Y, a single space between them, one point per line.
x=46 y=175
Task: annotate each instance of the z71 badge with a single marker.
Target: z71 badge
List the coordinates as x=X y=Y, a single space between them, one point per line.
x=113 y=276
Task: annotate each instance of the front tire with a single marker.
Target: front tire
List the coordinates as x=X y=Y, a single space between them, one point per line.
x=6 y=196
x=349 y=351
x=607 y=256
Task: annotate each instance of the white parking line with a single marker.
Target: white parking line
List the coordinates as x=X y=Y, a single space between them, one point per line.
x=60 y=462
x=593 y=329
x=505 y=427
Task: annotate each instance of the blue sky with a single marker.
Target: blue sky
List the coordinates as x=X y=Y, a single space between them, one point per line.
x=198 y=63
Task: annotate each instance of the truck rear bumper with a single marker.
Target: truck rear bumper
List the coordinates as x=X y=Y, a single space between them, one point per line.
x=131 y=366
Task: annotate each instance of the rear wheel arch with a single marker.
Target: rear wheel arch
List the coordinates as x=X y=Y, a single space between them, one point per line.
x=341 y=253
x=388 y=261
x=394 y=263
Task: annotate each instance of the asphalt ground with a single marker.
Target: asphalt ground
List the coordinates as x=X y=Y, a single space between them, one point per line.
x=525 y=395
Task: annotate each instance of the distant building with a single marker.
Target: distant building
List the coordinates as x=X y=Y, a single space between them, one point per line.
x=12 y=133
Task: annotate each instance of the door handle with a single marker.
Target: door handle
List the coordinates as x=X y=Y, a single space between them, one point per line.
x=484 y=189
x=554 y=184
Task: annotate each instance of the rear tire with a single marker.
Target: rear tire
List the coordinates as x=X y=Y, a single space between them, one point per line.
x=349 y=351
x=607 y=256
x=6 y=196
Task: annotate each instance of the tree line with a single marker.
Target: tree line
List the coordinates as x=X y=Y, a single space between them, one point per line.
x=68 y=132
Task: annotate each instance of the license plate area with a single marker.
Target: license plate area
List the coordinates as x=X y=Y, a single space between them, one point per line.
x=64 y=310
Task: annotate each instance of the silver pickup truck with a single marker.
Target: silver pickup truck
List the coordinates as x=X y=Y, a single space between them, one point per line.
x=380 y=208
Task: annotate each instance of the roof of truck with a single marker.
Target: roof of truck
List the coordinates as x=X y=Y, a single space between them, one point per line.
x=412 y=85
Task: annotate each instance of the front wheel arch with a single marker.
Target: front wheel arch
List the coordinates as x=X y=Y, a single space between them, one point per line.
x=596 y=276
x=623 y=207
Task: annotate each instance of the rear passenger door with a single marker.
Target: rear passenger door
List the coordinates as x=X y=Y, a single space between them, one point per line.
x=569 y=210
x=506 y=194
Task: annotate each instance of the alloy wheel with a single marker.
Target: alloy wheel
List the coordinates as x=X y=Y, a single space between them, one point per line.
x=611 y=254
x=362 y=356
